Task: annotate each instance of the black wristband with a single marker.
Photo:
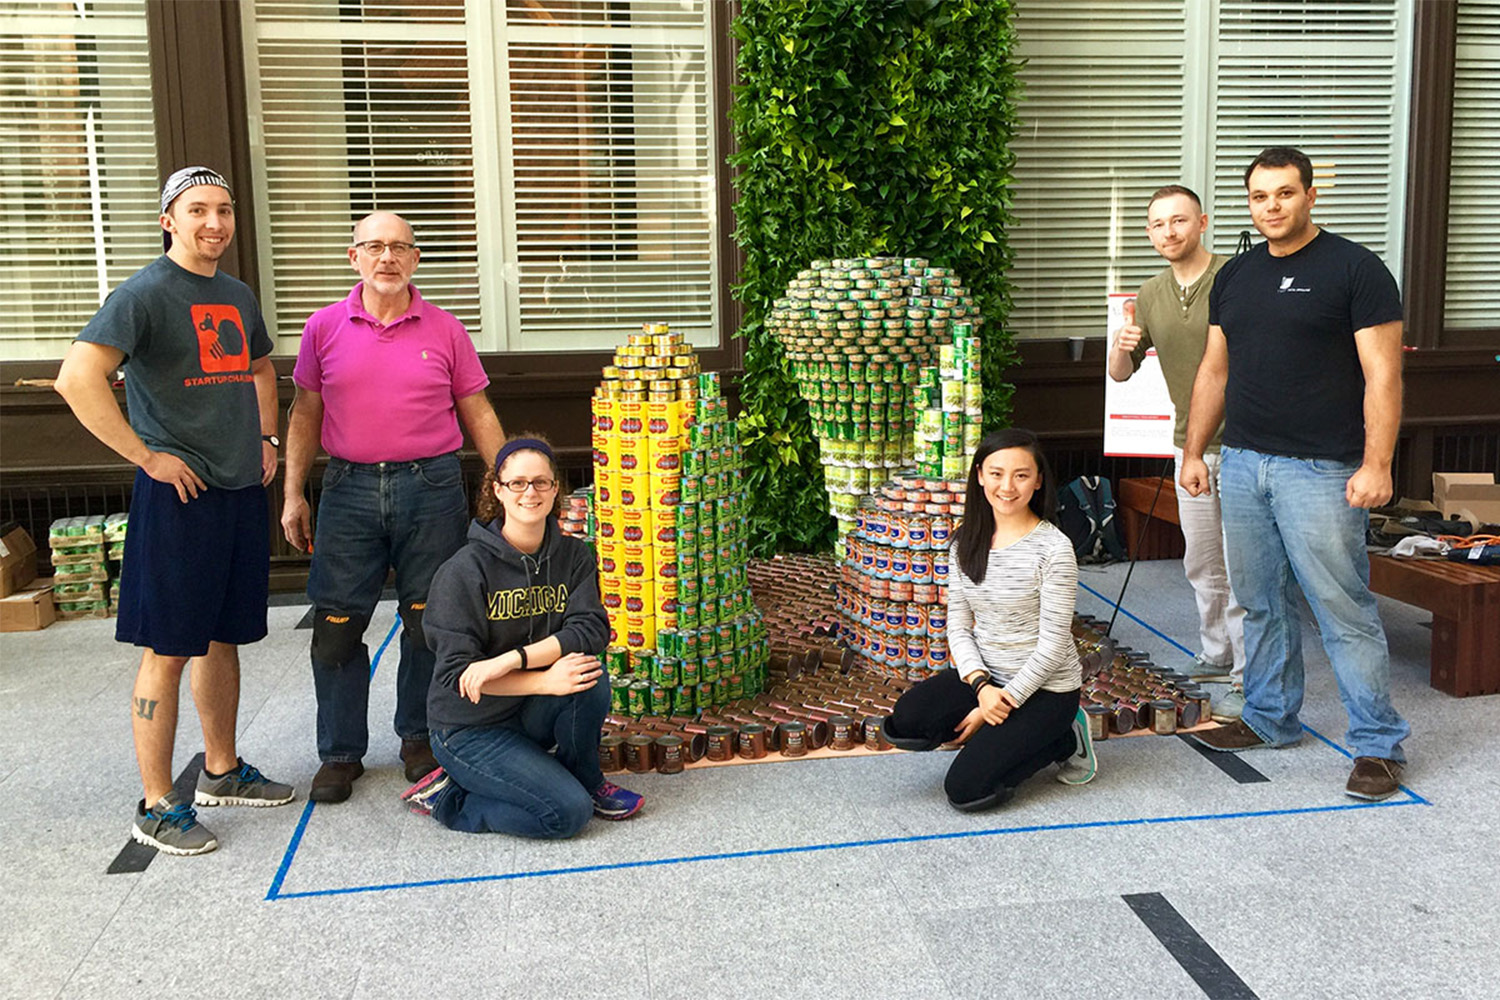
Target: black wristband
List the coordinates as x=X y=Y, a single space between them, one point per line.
x=981 y=682
x=521 y=651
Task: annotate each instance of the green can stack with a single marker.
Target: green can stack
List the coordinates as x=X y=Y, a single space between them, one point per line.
x=859 y=334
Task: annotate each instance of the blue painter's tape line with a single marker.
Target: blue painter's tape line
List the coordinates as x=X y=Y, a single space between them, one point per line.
x=1350 y=756
x=1143 y=624
x=375 y=660
x=291 y=851
x=838 y=846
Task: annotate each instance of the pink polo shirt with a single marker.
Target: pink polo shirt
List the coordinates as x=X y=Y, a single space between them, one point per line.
x=388 y=390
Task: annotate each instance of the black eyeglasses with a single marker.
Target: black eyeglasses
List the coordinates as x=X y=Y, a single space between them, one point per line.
x=543 y=485
x=377 y=248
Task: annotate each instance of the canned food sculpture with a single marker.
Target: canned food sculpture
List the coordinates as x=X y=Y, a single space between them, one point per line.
x=670 y=533
x=858 y=333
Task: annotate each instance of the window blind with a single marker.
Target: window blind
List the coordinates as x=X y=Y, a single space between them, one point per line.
x=78 y=172
x=555 y=156
x=1123 y=97
x=1473 y=290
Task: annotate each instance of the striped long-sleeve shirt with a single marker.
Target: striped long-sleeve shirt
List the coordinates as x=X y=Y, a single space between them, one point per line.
x=1018 y=623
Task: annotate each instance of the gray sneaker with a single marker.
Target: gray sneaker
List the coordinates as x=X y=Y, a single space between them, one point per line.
x=1203 y=671
x=1229 y=707
x=244 y=786
x=171 y=827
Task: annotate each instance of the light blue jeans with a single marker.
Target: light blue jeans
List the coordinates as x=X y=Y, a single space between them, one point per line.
x=1286 y=522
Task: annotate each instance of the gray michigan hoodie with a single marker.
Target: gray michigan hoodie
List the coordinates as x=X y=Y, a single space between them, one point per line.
x=491 y=597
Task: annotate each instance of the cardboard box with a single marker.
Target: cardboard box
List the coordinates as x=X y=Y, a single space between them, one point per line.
x=17 y=560
x=29 y=610
x=1474 y=492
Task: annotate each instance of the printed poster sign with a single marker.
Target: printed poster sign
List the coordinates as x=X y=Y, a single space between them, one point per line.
x=1138 y=413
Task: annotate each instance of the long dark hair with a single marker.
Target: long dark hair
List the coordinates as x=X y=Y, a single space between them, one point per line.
x=972 y=539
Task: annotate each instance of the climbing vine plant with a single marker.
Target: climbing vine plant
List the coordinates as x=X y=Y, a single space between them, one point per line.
x=863 y=127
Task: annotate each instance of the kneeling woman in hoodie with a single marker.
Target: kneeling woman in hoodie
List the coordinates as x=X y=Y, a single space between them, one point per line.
x=516 y=623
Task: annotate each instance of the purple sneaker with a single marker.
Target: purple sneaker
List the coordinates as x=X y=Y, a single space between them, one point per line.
x=613 y=802
x=421 y=796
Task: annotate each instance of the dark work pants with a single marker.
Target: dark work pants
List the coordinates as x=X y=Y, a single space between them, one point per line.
x=995 y=758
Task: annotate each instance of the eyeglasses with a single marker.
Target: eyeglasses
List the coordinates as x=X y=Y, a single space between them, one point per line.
x=543 y=485
x=377 y=248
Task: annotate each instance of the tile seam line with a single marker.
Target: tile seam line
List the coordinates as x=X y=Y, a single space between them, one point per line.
x=840 y=845
x=274 y=892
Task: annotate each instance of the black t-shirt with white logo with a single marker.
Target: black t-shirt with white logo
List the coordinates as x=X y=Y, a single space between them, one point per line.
x=1295 y=384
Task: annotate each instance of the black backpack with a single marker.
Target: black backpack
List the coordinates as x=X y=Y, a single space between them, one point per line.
x=1086 y=514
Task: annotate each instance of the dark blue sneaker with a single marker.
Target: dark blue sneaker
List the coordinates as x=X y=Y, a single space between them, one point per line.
x=613 y=802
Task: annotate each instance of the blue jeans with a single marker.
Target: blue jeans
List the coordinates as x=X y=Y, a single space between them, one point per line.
x=410 y=515
x=505 y=781
x=1286 y=522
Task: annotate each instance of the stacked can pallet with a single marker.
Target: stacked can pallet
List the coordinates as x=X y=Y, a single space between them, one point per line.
x=893 y=601
x=82 y=547
x=857 y=332
x=1124 y=692
x=829 y=708
x=670 y=525
x=950 y=407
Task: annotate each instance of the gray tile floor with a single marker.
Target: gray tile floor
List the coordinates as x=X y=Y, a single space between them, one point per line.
x=850 y=876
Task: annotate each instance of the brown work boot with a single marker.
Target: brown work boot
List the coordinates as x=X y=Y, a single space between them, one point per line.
x=1374 y=779
x=334 y=781
x=1231 y=738
x=418 y=758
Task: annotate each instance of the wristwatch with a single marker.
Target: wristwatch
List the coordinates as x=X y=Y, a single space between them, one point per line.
x=272 y=439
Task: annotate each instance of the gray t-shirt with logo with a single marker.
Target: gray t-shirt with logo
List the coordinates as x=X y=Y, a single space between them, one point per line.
x=188 y=342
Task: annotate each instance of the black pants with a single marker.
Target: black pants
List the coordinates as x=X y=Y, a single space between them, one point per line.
x=996 y=758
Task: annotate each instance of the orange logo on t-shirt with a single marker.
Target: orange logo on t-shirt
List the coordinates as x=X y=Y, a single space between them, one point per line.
x=222 y=344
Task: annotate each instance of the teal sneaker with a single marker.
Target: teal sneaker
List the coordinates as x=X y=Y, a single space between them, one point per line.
x=1228 y=707
x=1079 y=767
x=172 y=827
x=244 y=786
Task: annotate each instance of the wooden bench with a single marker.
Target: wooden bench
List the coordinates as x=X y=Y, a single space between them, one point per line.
x=1464 y=600
x=1162 y=538
x=1465 y=605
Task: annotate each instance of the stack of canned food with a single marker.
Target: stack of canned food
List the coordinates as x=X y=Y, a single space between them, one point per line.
x=894 y=592
x=857 y=332
x=576 y=518
x=691 y=670
x=83 y=549
x=669 y=512
x=949 y=405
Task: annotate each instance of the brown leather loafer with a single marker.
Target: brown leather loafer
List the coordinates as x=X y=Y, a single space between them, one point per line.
x=418 y=758
x=1374 y=779
x=1231 y=738
x=334 y=781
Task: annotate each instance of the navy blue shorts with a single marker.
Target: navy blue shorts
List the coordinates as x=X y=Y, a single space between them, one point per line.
x=195 y=572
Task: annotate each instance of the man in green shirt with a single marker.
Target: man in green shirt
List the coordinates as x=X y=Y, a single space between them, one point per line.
x=1170 y=313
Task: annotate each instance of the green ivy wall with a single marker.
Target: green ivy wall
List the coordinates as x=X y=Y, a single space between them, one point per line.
x=863 y=127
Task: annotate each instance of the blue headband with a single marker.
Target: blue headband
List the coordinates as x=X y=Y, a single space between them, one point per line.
x=521 y=444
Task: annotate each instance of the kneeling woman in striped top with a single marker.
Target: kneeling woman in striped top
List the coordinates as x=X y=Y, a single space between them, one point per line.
x=1011 y=697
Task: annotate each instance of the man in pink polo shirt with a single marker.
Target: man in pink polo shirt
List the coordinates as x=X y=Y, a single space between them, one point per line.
x=385 y=378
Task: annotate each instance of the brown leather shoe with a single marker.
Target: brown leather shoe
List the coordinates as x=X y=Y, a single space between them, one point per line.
x=1231 y=738
x=418 y=758
x=1374 y=779
x=334 y=781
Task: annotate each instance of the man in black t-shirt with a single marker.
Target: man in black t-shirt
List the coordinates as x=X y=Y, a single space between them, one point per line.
x=1303 y=364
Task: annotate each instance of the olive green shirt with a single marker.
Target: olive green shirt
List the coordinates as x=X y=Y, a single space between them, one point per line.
x=1174 y=320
